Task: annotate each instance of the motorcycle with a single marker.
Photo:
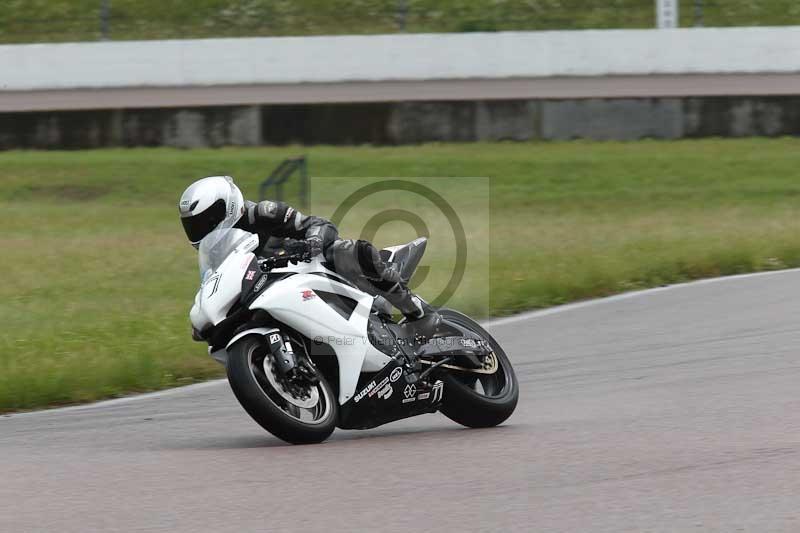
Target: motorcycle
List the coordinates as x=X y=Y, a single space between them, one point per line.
x=307 y=351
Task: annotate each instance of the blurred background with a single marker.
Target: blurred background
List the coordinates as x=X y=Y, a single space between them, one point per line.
x=656 y=148
x=27 y=21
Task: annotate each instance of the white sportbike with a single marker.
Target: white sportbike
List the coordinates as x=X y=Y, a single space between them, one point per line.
x=306 y=351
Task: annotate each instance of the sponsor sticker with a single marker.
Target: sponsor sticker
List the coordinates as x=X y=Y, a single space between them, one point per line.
x=215 y=281
x=379 y=386
x=385 y=392
x=307 y=295
x=438 y=392
x=260 y=283
x=274 y=338
x=424 y=396
x=357 y=398
x=410 y=390
x=250 y=275
x=396 y=373
x=289 y=213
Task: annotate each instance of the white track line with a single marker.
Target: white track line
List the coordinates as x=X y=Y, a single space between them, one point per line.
x=175 y=391
x=522 y=317
x=529 y=315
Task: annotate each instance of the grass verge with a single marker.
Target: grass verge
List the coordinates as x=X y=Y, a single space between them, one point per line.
x=25 y=21
x=99 y=277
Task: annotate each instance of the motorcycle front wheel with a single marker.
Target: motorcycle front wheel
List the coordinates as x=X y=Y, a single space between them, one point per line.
x=479 y=400
x=306 y=419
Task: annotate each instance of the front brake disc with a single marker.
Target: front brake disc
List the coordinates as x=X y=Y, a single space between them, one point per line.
x=277 y=386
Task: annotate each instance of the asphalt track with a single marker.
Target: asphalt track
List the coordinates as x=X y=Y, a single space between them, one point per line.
x=666 y=410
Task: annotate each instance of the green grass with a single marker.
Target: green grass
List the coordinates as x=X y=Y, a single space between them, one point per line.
x=99 y=278
x=79 y=20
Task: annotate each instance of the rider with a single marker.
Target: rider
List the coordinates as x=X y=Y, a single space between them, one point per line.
x=206 y=203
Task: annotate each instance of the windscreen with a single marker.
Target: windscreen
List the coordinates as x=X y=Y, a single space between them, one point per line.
x=216 y=247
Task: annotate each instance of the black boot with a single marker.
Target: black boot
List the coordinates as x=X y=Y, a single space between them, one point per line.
x=421 y=317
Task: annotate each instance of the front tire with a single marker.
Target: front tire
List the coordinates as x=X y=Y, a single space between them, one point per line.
x=256 y=393
x=464 y=401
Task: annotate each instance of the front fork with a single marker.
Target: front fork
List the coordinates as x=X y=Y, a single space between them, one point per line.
x=289 y=367
x=282 y=353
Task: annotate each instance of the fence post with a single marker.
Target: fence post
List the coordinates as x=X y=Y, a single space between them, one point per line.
x=105 y=22
x=666 y=14
x=402 y=13
x=698 y=13
x=305 y=202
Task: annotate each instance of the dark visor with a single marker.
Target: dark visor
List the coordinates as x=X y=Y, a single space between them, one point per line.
x=202 y=224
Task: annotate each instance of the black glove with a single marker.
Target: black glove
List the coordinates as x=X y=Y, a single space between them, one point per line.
x=314 y=245
x=306 y=249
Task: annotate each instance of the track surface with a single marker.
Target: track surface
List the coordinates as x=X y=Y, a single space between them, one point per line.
x=670 y=410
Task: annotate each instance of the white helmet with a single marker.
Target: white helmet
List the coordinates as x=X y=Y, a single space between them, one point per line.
x=209 y=204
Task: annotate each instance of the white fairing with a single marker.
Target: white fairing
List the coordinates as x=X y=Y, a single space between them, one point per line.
x=221 y=288
x=293 y=302
x=311 y=316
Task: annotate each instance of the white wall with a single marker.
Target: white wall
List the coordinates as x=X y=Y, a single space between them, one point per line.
x=267 y=61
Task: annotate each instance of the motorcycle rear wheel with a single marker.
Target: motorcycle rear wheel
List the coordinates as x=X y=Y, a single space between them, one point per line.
x=479 y=400
x=269 y=407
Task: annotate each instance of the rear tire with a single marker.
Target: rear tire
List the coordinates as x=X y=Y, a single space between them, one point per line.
x=462 y=403
x=267 y=407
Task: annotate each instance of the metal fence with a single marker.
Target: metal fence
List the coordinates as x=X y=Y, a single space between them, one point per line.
x=86 y=20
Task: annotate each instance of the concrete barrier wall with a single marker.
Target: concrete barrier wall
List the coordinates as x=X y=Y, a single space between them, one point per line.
x=391 y=89
x=406 y=122
x=288 y=60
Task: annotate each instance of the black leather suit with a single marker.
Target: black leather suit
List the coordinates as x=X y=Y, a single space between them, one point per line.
x=357 y=261
x=276 y=221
